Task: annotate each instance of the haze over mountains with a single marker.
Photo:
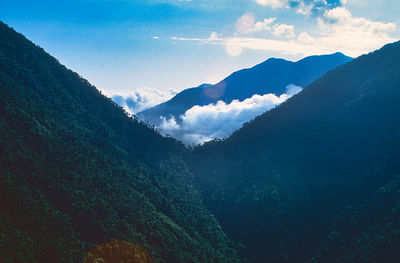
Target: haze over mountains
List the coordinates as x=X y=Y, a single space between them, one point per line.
x=315 y=179
x=263 y=87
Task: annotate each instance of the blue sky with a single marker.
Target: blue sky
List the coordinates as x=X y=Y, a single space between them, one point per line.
x=128 y=46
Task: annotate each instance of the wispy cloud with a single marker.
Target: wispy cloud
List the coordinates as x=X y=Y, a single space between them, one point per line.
x=283 y=30
x=336 y=30
x=142 y=99
x=264 y=25
x=272 y=3
x=305 y=7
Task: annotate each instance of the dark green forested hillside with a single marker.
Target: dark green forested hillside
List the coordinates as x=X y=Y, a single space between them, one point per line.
x=369 y=232
x=76 y=171
x=278 y=184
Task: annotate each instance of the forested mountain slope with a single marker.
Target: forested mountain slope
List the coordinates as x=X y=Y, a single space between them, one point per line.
x=76 y=171
x=271 y=76
x=277 y=184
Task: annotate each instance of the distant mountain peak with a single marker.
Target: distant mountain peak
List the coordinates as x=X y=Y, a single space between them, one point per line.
x=269 y=77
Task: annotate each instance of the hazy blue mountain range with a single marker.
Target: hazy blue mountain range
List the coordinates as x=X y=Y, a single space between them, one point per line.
x=271 y=76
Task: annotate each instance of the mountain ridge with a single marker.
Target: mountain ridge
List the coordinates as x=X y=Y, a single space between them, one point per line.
x=270 y=76
x=77 y=172
x=330 y=146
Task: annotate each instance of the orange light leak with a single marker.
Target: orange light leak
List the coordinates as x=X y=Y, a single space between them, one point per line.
x=118 y=251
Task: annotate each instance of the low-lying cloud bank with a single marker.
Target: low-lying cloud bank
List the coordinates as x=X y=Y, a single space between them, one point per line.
x=204 y=123
x=142 y=99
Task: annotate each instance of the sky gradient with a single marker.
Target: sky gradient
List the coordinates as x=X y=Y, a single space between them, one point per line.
x=159 y=47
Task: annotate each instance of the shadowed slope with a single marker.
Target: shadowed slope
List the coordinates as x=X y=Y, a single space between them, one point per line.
x=276 y=184
x=77 y=172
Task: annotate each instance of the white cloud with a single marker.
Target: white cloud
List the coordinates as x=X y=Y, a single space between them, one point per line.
x=338 y=13
x=305 y=38
x=142 y=99
x=356 y=35
x=336 y=31
x=168 y=124
x=203 y=123
x=214 y=36
x=263 y=25
x=293 y=47
x=246 y=24
x=283 y=30
x=340 y=19
x=304 y=9
x=272 y=3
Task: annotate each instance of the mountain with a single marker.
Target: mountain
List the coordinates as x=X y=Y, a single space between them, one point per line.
x=315 y=179
x=271 y=76
x=76 y=172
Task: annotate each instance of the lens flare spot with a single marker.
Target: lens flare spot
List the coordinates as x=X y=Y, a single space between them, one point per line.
x=215 y=91
x=118 y=251
x=233 y=49
x=245 y=23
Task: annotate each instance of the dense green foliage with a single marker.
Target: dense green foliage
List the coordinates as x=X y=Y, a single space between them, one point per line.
x=369 y=232
x=276 y=184
x=76 y=171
